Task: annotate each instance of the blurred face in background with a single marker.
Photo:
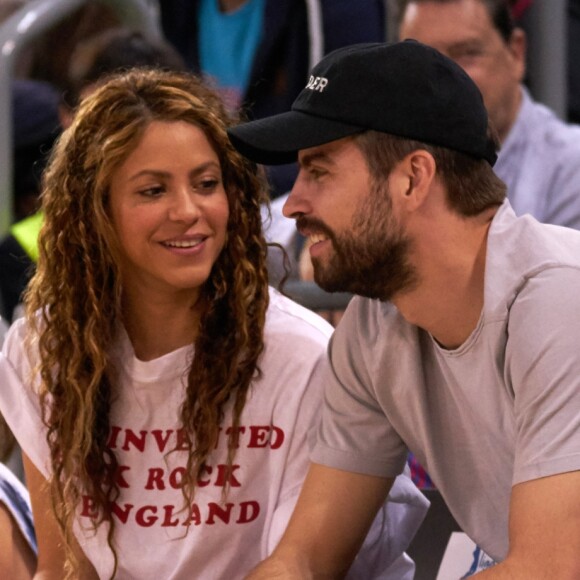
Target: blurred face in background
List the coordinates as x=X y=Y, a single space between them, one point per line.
x=464 y=31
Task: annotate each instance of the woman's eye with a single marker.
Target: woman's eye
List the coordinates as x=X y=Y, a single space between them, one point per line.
x=154 y=191
x=208 y=185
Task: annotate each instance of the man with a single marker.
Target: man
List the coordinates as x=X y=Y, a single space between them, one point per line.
x=540 y=156
x=463 y=344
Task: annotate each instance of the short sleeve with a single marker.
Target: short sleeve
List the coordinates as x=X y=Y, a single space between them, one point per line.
x=355 y=433
x=543 y=362
x=19 y=401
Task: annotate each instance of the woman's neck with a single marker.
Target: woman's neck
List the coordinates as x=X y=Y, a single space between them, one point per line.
x=157 y=327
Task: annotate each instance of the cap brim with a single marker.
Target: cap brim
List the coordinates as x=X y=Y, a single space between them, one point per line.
x=276 y=140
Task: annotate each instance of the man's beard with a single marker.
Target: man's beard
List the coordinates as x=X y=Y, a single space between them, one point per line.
x=373 y=259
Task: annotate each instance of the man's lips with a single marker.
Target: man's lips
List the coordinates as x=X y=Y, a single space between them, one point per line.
x=314 y=230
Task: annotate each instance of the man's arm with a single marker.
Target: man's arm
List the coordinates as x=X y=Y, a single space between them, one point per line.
x=51 y=557
x=331 y=519
x=544 y=531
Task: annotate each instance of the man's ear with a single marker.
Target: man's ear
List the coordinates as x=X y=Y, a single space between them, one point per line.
x=412 y=179
x=517 y=45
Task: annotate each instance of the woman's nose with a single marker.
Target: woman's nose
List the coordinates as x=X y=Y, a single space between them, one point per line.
x=184 y=206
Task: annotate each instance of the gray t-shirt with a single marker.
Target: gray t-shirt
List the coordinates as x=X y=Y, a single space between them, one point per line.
x=501 y=409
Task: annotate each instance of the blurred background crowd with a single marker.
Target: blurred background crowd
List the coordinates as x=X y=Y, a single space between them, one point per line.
x=258 y=54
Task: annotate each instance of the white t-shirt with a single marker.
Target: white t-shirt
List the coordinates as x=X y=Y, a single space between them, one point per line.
x=225 y=540
x=499 y=410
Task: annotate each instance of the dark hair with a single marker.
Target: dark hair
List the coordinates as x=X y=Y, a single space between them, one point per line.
x=472 y=186
x=35 y=125
x=500 y=12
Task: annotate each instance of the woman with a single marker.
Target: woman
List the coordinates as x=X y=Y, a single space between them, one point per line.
x=156 y=383
x=160 y=463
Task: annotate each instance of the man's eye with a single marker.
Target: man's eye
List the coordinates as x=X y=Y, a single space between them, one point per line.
x=317 y=173
x=468 y=54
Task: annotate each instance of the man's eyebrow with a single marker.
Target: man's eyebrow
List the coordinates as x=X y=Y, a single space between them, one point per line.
x=463 y=44
x=309 y=158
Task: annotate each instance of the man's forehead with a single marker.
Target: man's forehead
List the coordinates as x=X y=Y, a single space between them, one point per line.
x=450 y=32
x=474 y=12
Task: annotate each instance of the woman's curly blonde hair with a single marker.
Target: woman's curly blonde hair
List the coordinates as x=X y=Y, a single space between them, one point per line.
x=74 y=300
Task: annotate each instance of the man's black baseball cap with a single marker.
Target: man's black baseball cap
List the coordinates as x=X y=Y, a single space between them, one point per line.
x=406 y=89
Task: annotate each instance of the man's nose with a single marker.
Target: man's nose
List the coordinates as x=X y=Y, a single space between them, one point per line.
x=297 y=202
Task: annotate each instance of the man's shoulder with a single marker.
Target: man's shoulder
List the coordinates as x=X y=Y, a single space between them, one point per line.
x=521 y=248
x=544 y=128
x=529 y=243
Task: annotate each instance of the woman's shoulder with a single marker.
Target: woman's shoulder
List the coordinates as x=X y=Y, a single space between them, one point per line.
x=295 y=322
x=14 y=342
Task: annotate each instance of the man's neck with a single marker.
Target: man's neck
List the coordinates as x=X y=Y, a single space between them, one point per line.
x=512 y=110
x=448 y=300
